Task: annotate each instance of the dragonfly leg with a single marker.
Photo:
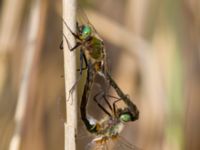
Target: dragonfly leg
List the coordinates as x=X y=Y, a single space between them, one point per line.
x=74 y=34
x=73 y=87
x=68 y=44
x=85 y=60
x=114 y=105
x=106 y=100
x=100 y=106
x=84 y=68
x=78 y=28
x=82 y=59
x=76 y=46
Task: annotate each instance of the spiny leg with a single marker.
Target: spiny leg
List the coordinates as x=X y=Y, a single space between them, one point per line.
x=116 y=101
x=81 y=68
x=100 y=106
x=69 y=47
x=86 y=64
x=114 y=105
x=113 y=109
x=78 y=28
x=82 y=59
x=74 y=34
x=84 y=68
x=106 y=100
x=68 y=44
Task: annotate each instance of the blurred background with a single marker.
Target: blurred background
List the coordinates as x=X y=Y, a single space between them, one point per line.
x=153 y=53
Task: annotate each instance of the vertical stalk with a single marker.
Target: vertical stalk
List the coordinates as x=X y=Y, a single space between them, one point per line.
x=69 y=13
x=28 y=62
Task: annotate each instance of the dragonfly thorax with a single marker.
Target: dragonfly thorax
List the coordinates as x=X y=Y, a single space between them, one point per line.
x=95 y=55
x=95 y=48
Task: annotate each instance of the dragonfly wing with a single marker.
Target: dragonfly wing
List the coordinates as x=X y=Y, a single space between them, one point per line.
x=82 y=19
x=94 y=146
x=81 y=16
x=125 y=145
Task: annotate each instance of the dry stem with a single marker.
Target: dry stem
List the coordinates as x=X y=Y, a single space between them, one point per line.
x=69 y=13
x=26 y=73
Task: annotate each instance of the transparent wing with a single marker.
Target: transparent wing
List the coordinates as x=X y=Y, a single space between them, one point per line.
x=83 y=136
x=81 y=16
x=122 y=143
x=112 y=144
x=93 y=145
x=82 y=19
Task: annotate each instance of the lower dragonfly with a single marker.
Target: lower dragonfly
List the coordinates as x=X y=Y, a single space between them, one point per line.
x=108 y=129
x=131 y=107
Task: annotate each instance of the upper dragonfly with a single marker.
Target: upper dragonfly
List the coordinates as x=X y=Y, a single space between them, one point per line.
x=89 y=43
x=92 y=49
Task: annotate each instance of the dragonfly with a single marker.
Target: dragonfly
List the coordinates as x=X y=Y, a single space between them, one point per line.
x=92 y=48
x=93 y=53
x=107 y=130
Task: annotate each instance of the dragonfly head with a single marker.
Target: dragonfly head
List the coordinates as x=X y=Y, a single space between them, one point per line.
x=86 y=32
x=125 y=115
x=132 y=109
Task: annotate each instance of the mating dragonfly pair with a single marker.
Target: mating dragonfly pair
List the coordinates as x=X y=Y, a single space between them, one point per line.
x=93 y=54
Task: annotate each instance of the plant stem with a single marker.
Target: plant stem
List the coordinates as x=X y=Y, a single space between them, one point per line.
x=69 y=13
x=28 y=60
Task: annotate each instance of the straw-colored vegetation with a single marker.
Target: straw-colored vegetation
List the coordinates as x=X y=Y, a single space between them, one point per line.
x=153 y=53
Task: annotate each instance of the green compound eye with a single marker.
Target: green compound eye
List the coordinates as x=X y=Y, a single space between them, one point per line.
x=125 y=117
x=86 y=32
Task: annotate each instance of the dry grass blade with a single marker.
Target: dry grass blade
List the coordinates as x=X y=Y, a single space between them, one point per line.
x=69 y=13
x=26 y=73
